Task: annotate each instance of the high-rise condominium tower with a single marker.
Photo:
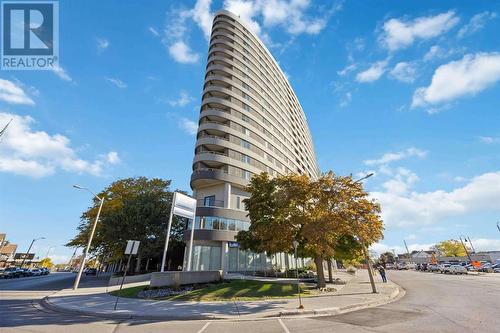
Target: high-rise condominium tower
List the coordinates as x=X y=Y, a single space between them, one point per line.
x=250 y=122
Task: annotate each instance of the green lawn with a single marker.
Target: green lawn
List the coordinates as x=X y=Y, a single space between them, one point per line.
x=239 y=289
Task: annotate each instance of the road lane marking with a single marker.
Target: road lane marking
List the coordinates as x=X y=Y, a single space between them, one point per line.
x=205 y=327
x=283 y=325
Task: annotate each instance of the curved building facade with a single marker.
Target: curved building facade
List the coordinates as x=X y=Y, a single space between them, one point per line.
x=250 y=122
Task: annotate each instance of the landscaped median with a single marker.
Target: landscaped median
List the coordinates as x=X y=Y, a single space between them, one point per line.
x=241 y=290
x=235 y=299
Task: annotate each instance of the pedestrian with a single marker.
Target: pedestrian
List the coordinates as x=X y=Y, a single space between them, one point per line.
x=381 y=270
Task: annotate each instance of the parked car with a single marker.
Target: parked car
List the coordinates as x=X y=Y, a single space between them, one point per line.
x=12 y=272
x=411 y=266
x=496 y=270
x=26 y=272
x=433 y=268
x=486 y=267
x=45 y=271
x=444 y=268
x=389 y=266
x=457 y=269
x=90 y=271
x=401 y=266
x=36 y=272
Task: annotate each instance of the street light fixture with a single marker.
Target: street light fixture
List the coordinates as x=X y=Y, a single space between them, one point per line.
x=365 y=177
x=85 y=253
x=295 y=246
x=29 y=248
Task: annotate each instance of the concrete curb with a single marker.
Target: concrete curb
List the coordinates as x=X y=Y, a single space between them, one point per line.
x=396 y=294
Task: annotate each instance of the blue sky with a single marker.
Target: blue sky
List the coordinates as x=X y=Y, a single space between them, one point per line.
x=409 y=90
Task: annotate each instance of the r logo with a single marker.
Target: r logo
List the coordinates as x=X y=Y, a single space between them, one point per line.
x=29 y=34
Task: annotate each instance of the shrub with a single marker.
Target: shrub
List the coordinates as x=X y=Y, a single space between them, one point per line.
x=351 y=270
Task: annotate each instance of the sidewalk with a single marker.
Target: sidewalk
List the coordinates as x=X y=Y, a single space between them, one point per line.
x=356 y=294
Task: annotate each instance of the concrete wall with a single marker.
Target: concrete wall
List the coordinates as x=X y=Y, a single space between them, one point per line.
x=160 y=279
x=114 y=281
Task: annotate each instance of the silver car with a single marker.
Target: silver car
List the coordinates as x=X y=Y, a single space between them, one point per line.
x=457 y=269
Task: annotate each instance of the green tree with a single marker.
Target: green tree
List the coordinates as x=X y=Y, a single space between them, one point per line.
x=451 y=248
x=134 y=208
x=387 y=258
x=317 y=214
x=46 y=262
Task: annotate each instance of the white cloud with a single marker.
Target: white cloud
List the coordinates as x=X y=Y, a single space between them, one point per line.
x=181 y=52
x=346 y=100
x=392 y=157
x=485 y=244
x=291 y=15
x=489 y=139
x=373 y=73
x=380 y=248
x=117 y=82
x=59 y=259
x=402 y=181
x=347 y=69
x=25 y=151
x=480 y=244
x=189 y=126
x=203 y=16
x=102 y=44
x=428 y=208
x=404 y=72
x=113 y=158
x=438 y=52
x=154 y=32
x=13 y=93
x=399 y=33
x=61 y=73
x=476 y=23
x=465 y=77
x=246 y=10
x=183 y=99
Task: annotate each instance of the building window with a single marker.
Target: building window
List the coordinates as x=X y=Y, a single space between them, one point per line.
x=209 y=201
x=238 y=202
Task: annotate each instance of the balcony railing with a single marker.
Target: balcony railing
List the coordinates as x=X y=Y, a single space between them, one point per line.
x=210 y=203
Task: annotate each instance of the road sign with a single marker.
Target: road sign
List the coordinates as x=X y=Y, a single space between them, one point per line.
x=184 y=206
x=132 y=247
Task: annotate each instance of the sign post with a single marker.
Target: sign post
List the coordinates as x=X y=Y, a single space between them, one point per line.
x=185 y=206
x=131 y=249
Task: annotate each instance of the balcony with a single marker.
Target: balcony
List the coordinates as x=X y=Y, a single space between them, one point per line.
x=210 y=203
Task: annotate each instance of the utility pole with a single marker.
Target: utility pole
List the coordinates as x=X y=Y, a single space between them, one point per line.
x=408 y=251
x=465 y=248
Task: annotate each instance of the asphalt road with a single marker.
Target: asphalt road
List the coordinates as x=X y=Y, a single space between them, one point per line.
x=433 y=303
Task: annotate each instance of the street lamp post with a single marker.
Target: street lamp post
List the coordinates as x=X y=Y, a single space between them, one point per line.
x=85 y=253
x=295 y=245
x=29 y=248
x=48 y=251
x=365 y=251
x=498 y=225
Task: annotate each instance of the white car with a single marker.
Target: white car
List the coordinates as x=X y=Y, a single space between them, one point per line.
x=457 y=269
